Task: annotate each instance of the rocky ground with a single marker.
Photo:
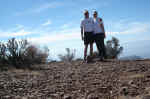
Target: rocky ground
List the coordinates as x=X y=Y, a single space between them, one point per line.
x=111 y=79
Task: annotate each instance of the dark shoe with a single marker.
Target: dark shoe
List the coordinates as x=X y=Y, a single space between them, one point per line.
x=101 y=59
x=89 y=59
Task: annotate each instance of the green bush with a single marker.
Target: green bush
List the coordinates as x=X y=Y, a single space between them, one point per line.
x=113 y=48
x=34 y=54
x=22 y=53
x=68 y=57
x=3 y=50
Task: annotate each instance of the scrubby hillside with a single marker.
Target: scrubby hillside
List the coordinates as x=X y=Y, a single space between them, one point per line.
x=112 y=79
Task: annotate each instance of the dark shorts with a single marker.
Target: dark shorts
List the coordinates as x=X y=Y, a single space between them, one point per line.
x=88 y=37
x=99 y=36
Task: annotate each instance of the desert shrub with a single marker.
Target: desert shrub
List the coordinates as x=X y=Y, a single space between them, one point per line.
x=15 y=51
x=68 y=57
x=113 y=48
x=3 y=50
x=22 y=53
x=33 y=54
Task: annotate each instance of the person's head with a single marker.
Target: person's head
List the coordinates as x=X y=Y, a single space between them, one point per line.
x=95 y=14
x=86 y=14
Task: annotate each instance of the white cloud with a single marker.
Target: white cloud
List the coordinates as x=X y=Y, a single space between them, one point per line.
x=137 y=27
x=46 y=6
x=128 y=27
x=48 y=22
x=44 y=35
x=111 y=32
x=39 y=8
x=67 y=25
x=68 y=32
x=64 y=35
x=19 y=26
x=17 y=31
x=21 y=32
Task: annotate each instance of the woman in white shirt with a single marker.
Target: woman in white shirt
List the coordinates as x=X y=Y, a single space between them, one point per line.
x=99 y=35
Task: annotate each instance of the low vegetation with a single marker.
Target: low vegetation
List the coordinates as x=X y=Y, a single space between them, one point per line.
x=22 y=53
x=68 y=57
x=113 y=48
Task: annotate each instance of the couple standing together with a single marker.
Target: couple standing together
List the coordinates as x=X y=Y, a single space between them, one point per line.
x=92 y=30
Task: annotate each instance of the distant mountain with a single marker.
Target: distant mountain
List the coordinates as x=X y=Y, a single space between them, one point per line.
x=132 y=57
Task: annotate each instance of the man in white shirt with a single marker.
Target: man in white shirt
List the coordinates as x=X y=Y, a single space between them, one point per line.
x=99 y=35
x=87 y=33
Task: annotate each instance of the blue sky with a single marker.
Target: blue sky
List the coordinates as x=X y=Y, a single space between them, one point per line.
x=56 y=23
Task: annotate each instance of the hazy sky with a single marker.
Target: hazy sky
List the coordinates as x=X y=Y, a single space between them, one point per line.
x=56 y=23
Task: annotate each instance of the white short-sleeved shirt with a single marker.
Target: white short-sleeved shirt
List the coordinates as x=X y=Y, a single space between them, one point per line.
x=87 y=25
x=97 y=23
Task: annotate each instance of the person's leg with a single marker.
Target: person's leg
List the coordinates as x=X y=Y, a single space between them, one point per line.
x=98 y=45
x=91 y=49
x=103 y=48
x=85 y=52
x=91 y=41
x=85 y=45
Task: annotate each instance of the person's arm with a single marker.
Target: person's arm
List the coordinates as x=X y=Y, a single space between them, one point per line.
x=82 y=37
x=82 y=31
x=102 y=26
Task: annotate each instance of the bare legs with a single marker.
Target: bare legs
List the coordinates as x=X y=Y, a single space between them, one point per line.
x=85 y=50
